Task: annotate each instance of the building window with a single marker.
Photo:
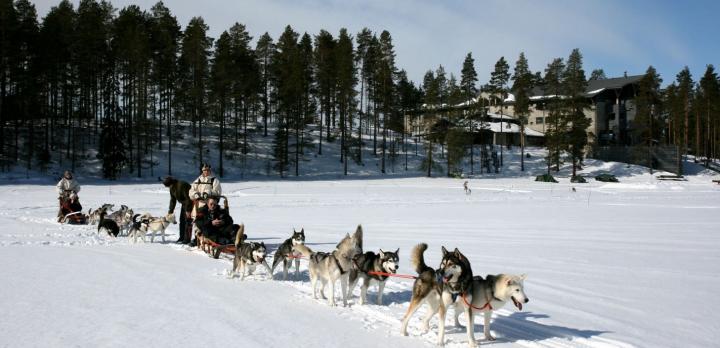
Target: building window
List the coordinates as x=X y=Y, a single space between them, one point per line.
x=539 y=120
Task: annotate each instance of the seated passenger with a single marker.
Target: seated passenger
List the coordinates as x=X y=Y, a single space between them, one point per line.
x=215 y=223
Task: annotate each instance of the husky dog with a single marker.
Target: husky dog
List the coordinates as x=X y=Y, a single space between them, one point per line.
x=158 y=224
x=94 y=216
x=138 y=228
x=439 y=288
x=467 y=188
x=286 y=253
x=248 y=255
x=122 y=217
x=329 y=267
x=364 y=264
x=487 y=295
x=110 y=226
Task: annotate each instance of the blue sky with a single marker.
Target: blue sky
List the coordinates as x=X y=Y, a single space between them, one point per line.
x=614 y=35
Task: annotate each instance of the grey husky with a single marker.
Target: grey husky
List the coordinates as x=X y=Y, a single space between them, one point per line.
x=367 y=265
x=286 y=253
x=329 y=267
x=439 y=288
x=94 y=215
x=122 y=217
x=248 y=255
x=487 y=295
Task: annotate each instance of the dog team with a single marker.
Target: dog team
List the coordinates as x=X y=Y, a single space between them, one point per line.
x=452 y=284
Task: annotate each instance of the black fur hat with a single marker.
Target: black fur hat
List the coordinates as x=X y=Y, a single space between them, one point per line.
x=169 y=181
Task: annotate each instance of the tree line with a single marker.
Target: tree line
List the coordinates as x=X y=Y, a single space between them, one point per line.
x=123 y=84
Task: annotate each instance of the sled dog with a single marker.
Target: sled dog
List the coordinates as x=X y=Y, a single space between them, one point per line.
x=138 y=228
x=122 y=217
x=248 y=255
x=158 y=224
x=110 y=226
x=439 y=288
x=329 y=267
x=364 y=264
x=94 y=216
x=487 y=295
x=286 y=253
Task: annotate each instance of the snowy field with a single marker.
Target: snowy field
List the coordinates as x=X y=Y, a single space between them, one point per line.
x=610 y=265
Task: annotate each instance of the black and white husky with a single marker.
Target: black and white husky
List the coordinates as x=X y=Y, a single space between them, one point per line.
x=110 y=226
x=333 y=266
x=248 y=255
x=286 y=253
x=438 y=288
x=372 y=267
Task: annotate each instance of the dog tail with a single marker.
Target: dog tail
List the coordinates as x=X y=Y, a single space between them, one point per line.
x=417 y=258
x=240 y=236
x=303 y=250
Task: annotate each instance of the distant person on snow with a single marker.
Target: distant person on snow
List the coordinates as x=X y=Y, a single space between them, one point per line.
x=179 y=192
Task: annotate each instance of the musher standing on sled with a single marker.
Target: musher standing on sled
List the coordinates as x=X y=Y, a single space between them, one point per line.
x=206 y=185
x=179 y=191
x=67 y=189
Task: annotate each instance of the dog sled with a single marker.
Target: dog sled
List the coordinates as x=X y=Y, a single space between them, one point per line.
x=224 y=244
x=71 y=210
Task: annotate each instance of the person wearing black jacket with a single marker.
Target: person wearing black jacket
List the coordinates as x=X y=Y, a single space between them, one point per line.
x=179 y=193
x=214 y=222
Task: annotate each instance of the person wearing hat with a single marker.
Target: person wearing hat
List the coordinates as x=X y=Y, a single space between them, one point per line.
x=67 y=187
x=206 y=186
x=179 y=193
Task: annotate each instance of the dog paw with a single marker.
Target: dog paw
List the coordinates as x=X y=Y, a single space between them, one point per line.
x=489 y=338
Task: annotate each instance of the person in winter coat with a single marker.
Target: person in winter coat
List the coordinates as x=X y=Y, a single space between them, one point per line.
x=214 y=222
x=67 y=187
x=206 y=185
x=179 y=192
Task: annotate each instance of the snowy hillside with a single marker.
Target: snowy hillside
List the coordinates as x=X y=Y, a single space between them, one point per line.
x=610 y=265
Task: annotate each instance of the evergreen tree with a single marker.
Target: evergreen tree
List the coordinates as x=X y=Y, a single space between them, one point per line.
x=221 y=76
x=364 y=61
x=575 y=86
x=265 y=51
x=685 y=92
x=385 y=75
x=194 y=70
x=325 y=78
x=112 y=149
x=522 y=84
x=597 y=74
x=345 y=95
x=647 y=102
x=498 y=81
x=709 y=107
x=468 y=81
x=555 y=131
x=164 y=44
x=288 y=84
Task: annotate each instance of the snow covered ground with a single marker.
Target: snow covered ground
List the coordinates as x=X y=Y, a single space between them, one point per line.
x=611 y=265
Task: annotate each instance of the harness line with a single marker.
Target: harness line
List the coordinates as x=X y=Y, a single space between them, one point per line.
x=406 y=276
